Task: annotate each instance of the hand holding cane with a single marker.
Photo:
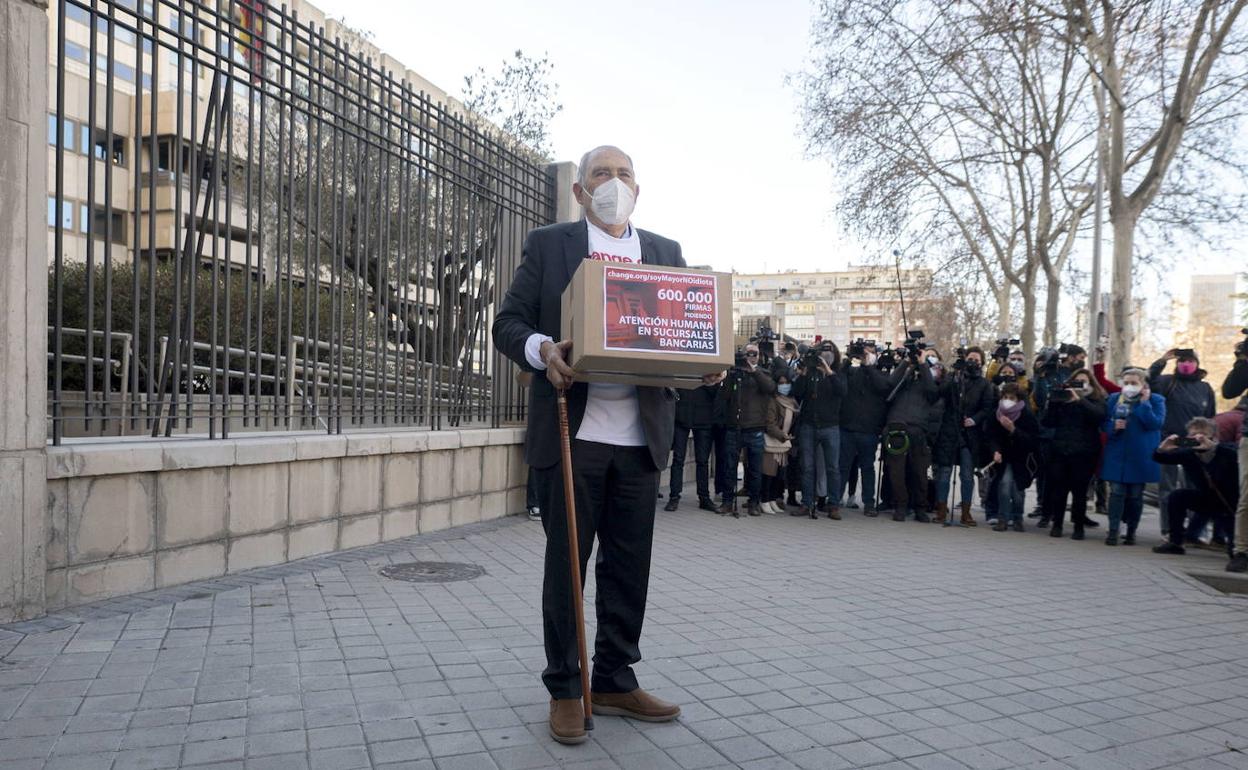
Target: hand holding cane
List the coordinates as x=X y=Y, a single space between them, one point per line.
x=574 y=552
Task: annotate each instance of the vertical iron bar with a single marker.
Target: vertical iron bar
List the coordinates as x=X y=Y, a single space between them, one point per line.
x=58 y=235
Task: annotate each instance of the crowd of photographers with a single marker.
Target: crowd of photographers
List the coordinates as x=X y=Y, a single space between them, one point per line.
x=904 y=431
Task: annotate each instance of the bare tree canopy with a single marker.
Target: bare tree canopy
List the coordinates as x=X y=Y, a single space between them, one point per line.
x=970 y=129
x=521 y=98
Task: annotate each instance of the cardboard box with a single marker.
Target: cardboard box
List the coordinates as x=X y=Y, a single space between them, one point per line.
x=648 y=324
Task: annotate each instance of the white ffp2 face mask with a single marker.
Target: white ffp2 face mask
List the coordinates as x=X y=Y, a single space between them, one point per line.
x=612 y=202
x=1131 y=391
x=1008 y=403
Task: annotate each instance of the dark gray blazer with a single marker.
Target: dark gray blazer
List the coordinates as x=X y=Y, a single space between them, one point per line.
x=551 y=255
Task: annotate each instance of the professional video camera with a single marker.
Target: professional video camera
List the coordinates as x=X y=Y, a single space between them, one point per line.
x=858 y=348
x=1003 y=347
x=814 y=355
x=887 y=360
x=1049 y=359
x=914 y=344
x=959 y=363
x=765 y=338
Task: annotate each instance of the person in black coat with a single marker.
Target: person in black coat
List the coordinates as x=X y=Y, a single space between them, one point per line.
x=969 y=403
x=1073 y=415
x=907 y=451
x=621 y=438
x=819 y=390
x=1213 y=471
x=1012 y=438
x=695 y=413
x=862 y=418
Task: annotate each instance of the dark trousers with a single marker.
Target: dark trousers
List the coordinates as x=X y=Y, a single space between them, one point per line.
x=725 y=466
x=702 y=442
x=616 y=488
x=532 y=495
x=1068 y=476
x=773 y=486
x=751 y=441
x=907 y=473
x=858 y=457
x=1202 y=506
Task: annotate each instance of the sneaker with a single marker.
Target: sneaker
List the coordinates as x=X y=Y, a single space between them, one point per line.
x=535 y=513
x=778 y=507
x=1170 y=548
x=672 y=504
x=1238 y=562
x=768 y=507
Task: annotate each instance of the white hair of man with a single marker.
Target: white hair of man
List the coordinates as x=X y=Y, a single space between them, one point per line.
x=1134 y=372
x=583 y=168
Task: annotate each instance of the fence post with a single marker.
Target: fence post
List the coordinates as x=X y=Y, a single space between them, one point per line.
x=23 y=305
x=562 y=175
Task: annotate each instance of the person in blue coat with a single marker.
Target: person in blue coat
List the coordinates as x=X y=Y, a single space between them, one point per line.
x=1133 y=427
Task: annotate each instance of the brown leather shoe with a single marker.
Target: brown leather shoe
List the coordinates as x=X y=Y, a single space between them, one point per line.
x=967 y=519
x=567 y=720
x=942 y=512
x=637 y=704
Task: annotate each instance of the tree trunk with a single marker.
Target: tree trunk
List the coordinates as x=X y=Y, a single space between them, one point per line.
x=1051 y=303
x=1121 y=310
x=1027 y=335
x=1003 y=310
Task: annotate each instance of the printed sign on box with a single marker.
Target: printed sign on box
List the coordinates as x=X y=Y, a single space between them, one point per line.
x=661 y=311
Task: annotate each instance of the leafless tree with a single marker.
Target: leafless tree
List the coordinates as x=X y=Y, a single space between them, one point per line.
x=965 y=122
x=1175 y=73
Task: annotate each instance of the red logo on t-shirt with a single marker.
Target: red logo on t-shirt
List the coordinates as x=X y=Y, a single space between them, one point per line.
x=604 y=257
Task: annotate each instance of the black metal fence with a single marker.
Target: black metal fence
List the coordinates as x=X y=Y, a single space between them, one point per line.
x=256 y=227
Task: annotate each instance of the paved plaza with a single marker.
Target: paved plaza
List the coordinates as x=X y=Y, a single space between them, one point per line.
x=788 y=642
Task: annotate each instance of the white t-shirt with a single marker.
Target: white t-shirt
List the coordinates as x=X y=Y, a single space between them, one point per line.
x=612 y=412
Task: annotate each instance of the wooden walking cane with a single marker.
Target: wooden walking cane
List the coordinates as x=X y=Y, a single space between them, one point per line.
x=574 y=552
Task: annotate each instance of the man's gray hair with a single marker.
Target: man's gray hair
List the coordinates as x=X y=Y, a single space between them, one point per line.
x=1138 y=372
x=1204 y=425
x=583 y=168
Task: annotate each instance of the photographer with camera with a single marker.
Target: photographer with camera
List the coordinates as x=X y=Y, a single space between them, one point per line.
x=819 y=389
x=1187 y=396
x=862 y=418
x=1234 y=386
x=1213 y=471
x=1011 y=438
x=1073 y=416
x=907 y=452
x=1132 y=426
x=1005 y=357
x=969 y=404
x=743 y=406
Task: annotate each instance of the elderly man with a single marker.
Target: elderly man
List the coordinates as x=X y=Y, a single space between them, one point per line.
x=621 y=437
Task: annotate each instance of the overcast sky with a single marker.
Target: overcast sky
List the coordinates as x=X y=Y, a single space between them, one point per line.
x=695 y=91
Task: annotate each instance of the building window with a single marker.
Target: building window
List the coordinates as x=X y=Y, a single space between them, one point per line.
x=74 y=13
x=99 y=145
x=67 y=213
x=101 y=220
x=76 y=52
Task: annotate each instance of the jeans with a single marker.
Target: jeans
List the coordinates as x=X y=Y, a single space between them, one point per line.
x=1126 y=505
x=966 y=477
x=858 y=453
x=751 y=440
x=1241 y=511
x=829 y=440
x=1009 y=497
x=702 y=441
x=1171 y=479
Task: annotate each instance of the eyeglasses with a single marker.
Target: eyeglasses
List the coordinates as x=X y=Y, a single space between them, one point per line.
x=751 y=354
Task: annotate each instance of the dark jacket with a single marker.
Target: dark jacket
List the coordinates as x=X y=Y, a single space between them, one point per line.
x=978 y=402
x=696 y=408
x=912 y=404
x=1187 y=396
x=744 y=399
x=533 y=305
x=1222 y=470
x=1018 y=449
x=1075 y=429
x=820 y=397
x=863 y=408
x=1236 y=383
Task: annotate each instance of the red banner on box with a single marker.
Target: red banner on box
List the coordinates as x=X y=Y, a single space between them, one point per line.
x=647 y=309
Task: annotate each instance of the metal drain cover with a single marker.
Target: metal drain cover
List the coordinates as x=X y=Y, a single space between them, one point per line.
x=432 y=571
